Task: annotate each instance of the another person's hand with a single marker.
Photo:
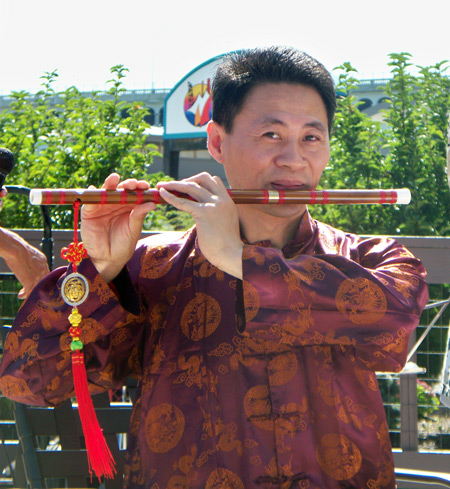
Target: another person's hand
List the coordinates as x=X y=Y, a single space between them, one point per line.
x=27 y=263
x=215 y=216
x=110 y=232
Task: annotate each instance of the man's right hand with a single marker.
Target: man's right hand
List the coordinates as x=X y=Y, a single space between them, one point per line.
x=110 y=232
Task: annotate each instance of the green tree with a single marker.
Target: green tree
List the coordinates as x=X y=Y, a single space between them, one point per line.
x=406 y=150
x=416 y=124
x=356 y=160
x=74 y=143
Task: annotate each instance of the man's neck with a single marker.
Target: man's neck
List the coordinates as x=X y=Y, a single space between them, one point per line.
x=256 y=227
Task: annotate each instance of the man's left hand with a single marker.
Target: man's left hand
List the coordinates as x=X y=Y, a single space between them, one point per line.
x=216 y=219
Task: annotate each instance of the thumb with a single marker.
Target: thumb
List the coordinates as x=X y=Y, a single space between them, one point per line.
x=138 y=214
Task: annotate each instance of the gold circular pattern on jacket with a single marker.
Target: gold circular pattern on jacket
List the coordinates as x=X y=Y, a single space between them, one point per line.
x=257 y=407
x=200 y=317
x=74 y=289
x=282 y=368
x=164 y=427
x=223 y=479
x=338 y=456
x=361 y=300
x=157 y=262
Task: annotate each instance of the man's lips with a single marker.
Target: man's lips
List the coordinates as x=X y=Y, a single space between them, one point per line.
x=281 y=185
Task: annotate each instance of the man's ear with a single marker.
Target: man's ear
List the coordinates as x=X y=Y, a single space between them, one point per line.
x=215 y=140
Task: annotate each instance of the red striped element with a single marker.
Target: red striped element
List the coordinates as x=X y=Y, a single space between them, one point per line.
x=47 y=200
x=281 y=196
x=313 y=197
x=325 y=196
x=103 y=196
x=265 y=196
x=123 y=197
x=139 y=196
x=383 y=196
x=393 y=197
x=62 y=197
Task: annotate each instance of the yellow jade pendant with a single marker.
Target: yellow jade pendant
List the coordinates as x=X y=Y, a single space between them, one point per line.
x=75 y=318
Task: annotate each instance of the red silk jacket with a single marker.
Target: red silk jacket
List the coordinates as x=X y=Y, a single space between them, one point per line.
x=263 y=383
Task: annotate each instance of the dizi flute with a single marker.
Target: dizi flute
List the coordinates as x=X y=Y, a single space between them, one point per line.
x=264 y=196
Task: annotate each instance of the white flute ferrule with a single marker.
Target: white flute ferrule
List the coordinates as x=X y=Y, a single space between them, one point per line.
x=35 y=196
x=403 y=196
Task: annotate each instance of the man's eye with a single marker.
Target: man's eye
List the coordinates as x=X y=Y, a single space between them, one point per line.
x=271 y=135
x=311 y=137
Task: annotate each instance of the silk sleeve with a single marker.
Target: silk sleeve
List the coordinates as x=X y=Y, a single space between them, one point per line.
x=36 y=365
x=367 y=303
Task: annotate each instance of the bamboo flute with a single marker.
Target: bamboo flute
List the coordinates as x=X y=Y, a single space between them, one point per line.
x=288 y=196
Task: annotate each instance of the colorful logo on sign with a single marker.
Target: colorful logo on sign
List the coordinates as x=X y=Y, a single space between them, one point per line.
x=197 y=104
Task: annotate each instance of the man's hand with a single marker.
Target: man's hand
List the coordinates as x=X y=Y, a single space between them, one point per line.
x=110 y=232
x=216 y=219
x=27 y=263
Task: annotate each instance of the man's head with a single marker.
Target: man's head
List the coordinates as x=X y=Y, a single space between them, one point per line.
x=242 y=71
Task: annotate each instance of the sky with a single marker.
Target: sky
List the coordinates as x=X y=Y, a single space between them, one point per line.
x=159 y=42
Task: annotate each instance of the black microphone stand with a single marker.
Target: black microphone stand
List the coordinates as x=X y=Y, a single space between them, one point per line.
x=47 y=240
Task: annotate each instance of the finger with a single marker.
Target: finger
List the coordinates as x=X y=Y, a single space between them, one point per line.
x=191 y=192
x=204 y=180
x=204 y=175
x=213 y=184
x=141 y=210
x=220 y=187
x=180 y=203
x=133 y=184
x=111 y=181
x=200 y=187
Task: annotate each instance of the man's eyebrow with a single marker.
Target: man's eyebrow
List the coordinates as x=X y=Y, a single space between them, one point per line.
x=273 y=121
x=316 y=125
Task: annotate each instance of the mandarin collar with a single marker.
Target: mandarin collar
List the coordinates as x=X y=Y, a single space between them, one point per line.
x=303 y=238
x=300 y=242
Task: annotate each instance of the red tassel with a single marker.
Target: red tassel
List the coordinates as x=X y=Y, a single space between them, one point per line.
x=100 y=458
x=74 y=290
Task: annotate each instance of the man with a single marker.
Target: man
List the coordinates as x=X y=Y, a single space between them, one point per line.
x=256 y=335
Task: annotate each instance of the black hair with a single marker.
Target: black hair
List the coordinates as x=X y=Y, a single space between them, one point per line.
x=241 y=71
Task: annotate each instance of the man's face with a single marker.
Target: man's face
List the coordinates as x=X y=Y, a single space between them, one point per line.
x=279 y=140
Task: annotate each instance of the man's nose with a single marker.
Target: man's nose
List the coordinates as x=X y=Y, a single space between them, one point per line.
x=291 y=155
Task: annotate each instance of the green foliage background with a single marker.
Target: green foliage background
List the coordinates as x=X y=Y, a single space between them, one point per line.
x=80 y=140
x=407 y=149
x=75 y=143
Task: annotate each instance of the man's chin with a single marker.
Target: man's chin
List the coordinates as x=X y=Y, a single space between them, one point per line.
x=287 y=211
